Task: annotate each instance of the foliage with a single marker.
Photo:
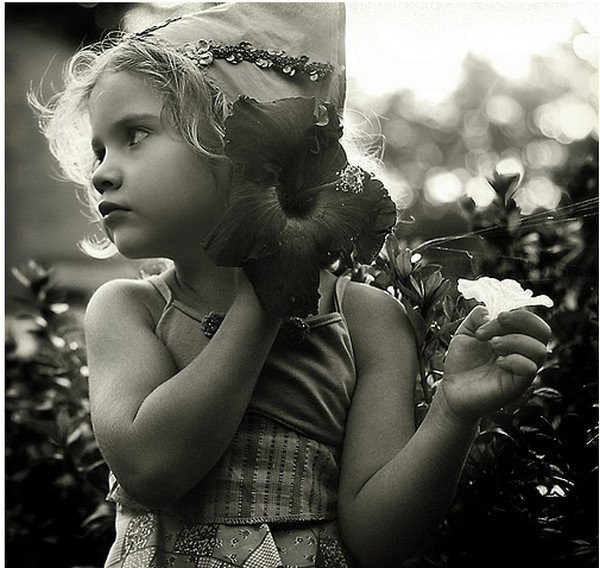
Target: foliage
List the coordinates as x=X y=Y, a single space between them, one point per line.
x=531 y=477
x=55 y=476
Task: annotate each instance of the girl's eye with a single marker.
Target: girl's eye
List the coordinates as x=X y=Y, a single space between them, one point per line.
x=136 y=135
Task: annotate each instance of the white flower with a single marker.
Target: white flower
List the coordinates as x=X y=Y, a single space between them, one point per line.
x=500 y=295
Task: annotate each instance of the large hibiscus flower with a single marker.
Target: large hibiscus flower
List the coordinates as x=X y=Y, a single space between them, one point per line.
x=294 y=201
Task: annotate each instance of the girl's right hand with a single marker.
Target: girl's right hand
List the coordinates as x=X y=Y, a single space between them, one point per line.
x=491 y=363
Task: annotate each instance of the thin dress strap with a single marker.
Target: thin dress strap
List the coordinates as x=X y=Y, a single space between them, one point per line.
x=162 y=287
x=340 y=289
x=165 y=291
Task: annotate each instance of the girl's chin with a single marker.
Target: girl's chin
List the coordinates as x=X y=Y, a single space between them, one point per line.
x=136 y=245
x=135 y=251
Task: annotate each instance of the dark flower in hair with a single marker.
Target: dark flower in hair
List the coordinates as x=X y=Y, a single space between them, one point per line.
x=295 y=201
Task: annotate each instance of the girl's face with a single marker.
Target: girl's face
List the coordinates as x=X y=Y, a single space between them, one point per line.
x=159 y=198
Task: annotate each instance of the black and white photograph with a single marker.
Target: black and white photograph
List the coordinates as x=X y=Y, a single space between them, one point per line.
x=301 y=284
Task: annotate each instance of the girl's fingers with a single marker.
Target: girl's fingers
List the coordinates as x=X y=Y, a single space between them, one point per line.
x=521 y=345
x=516 y=321
x=476 y=318
x=518 y=365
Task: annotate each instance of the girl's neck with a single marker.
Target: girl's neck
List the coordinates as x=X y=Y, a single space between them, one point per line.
x=206 y=284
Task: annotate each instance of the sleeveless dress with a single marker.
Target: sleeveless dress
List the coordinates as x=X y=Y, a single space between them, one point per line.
x=270 y=501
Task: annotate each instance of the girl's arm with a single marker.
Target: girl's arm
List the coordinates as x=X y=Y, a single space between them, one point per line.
x=161 y=430
x=396 y=485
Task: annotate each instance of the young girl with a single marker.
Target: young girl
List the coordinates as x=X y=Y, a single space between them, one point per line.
x=235 y=435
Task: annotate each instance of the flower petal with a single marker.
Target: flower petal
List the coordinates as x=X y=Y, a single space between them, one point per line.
x=287 y=282
x=318 y=159
x=500 y=295
x=265 y=137
x=335 y=218
x=381 y=211
x=249 y=228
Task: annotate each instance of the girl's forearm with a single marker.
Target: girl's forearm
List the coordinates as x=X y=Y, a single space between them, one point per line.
x=397 y=508
x=186 y=423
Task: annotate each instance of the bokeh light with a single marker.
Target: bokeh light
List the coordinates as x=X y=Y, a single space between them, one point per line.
x=585 y=47
x=502 y=109
x=593 y=85
x=480 y=163
x=509 y=164
x=566 y=119
x=480 y=191
x=442 y=186
x=544 y=153
x=512 y=65
x=538 y=192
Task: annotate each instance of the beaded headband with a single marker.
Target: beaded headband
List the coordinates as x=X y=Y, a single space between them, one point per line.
x=203 y=53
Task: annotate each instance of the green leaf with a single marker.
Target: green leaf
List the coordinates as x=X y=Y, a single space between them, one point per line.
x=547 y=392
x=504 y=185
x=63 y=424
x=403 y=265
x=103 y=510
x=74 y=435
x=498 y=432
x=417 y=322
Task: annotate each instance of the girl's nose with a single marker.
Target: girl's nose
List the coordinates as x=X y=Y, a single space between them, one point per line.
x=106 y=177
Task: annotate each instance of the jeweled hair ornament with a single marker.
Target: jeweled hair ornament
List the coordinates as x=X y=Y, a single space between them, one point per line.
x=265 y=51
x=204 y=52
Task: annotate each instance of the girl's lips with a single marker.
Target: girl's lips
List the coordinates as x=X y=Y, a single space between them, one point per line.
x=107 y=207
x=115 y=216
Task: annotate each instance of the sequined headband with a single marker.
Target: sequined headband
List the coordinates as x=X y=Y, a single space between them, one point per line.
x=203 y=52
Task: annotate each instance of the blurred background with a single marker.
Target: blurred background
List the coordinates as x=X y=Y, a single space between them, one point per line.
x=488 y=114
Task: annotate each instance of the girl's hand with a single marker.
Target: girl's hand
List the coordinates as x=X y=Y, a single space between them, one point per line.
x=491 y=363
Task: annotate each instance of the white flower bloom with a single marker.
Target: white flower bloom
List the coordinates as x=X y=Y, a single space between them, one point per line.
x=500 y=295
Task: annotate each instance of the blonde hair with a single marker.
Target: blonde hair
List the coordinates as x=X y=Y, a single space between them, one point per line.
x=192 y=104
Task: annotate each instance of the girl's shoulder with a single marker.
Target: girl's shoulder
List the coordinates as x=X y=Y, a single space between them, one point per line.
x=367 y=298
x=372 y=314
x=129 y=297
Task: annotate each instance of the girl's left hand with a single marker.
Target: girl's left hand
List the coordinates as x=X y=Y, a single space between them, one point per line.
x=491 y=363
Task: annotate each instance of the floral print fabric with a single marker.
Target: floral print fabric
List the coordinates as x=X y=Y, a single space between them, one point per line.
x=148 y=543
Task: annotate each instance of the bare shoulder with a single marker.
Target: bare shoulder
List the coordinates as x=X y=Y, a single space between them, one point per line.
x=125 y=298
x=359 y=294
x=373 y=316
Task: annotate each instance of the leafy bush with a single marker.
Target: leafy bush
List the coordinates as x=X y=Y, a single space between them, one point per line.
x=55 y=476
